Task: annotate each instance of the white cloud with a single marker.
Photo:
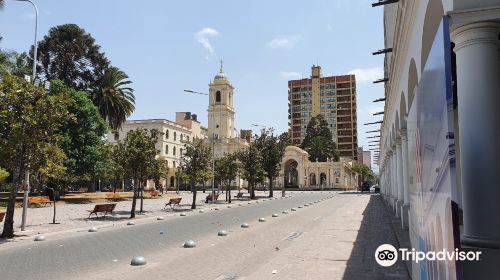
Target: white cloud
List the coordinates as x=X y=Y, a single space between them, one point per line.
x=203 y=37
x=368 y=74
x=290 y=75
x=286 y=42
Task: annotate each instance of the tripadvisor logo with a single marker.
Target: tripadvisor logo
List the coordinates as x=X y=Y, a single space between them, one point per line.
x=386 y=255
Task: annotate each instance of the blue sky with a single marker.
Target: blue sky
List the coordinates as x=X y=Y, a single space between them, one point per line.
x=168 y=46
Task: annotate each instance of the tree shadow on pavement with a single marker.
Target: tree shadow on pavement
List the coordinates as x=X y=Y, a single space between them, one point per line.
x=375 y=230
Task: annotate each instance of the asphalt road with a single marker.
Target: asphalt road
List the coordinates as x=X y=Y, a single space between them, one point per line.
x=78 y=254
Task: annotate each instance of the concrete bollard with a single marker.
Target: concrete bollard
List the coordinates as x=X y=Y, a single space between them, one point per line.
x=131 y=223
x=262 y=219
x=93 y=229
x=40 y=238
x=245 y=225
x=139 y=260
x=222 y=233
x=189 y=244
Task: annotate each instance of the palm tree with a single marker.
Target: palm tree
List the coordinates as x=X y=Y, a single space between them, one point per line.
x=114 y=99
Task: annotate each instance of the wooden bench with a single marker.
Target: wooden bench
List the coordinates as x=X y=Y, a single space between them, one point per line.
x=83 y=190
x=1 y=216
x=154 y=194
x=209 y=198
x=173 y=201
x=239 y=195
x=103 y=208
x=39 y=200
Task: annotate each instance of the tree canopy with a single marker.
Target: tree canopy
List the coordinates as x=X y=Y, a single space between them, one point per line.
x=272 y=150
x=70 y=54
x=195 y=162
x=29 y=121
x=318 y=141
x=83 y=135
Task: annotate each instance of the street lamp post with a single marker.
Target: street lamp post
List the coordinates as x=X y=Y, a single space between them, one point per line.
x=214 y=135
x=27 y=172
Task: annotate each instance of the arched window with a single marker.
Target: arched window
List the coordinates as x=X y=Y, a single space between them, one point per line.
x=166 y=134
x=166 y=149
x=217 y=97
x=174 y=151
x=187 y=138
x=174 y=164
x=175 y=135
x=182 y=136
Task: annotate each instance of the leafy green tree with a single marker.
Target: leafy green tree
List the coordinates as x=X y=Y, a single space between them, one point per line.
x=14 y=63
x=204 y=177
x=138 y=155
x=251 y=166
x=318 y=141
x=194 y=162
x=226 y=170
x=113 y=96
x=3 y=174
x=365 y=172
x=272 y=150
x=83 y=136
x=29 y=121
x=70 y=54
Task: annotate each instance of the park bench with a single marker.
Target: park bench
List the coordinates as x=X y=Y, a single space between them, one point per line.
x=83 y=190
x=239 y=195
x=39 y=200
x=209 y=198
x=103 y=208
x=154 y=193
x=173 y=201
x=1 y=216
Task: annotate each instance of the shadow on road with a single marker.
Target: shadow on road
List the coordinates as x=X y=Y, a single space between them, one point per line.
x=376 y=229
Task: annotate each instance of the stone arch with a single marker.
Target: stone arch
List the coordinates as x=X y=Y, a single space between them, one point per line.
x=402 y=111
x=432 y=19
x=312 y=179
x=291 y=174
x=412 y=82
x=322 y=178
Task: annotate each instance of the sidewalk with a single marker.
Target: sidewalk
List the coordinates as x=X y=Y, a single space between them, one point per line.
x=341 y=246
x=73 y=215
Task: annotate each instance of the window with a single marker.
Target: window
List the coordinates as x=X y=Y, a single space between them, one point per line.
x=187 y=138
x=217 y=97
x=166 y=134
x=180 y=151
x=174 y=150
x=174 y=163
x=166 y=149
x=175 y=135
x=181 y=137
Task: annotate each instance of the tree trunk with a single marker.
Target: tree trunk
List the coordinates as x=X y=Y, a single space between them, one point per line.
x=270 y=186
x=193 y=189
x=252 y=188
x=134 y=201
x=203 y=186
x=228 y=192
x=8 y=225
x=141 y=187
x=54 y=197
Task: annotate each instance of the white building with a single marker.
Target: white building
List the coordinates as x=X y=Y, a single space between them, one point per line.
x=171 y=145
x=439 y=152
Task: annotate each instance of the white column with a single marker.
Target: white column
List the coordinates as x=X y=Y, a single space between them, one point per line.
x=406 y=180
x=399 y=166
x=477 y=49
x=394 y=179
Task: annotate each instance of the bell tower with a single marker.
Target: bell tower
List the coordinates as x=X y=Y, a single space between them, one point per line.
x=220 y=106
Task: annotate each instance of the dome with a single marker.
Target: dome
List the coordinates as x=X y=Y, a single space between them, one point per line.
x=221 y=76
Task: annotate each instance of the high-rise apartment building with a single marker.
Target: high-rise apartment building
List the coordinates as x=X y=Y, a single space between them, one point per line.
x=335 y=98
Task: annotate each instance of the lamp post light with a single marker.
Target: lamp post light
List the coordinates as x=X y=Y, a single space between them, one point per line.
x=27 y=173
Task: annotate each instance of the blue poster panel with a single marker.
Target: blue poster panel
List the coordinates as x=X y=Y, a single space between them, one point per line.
x=432 y=173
